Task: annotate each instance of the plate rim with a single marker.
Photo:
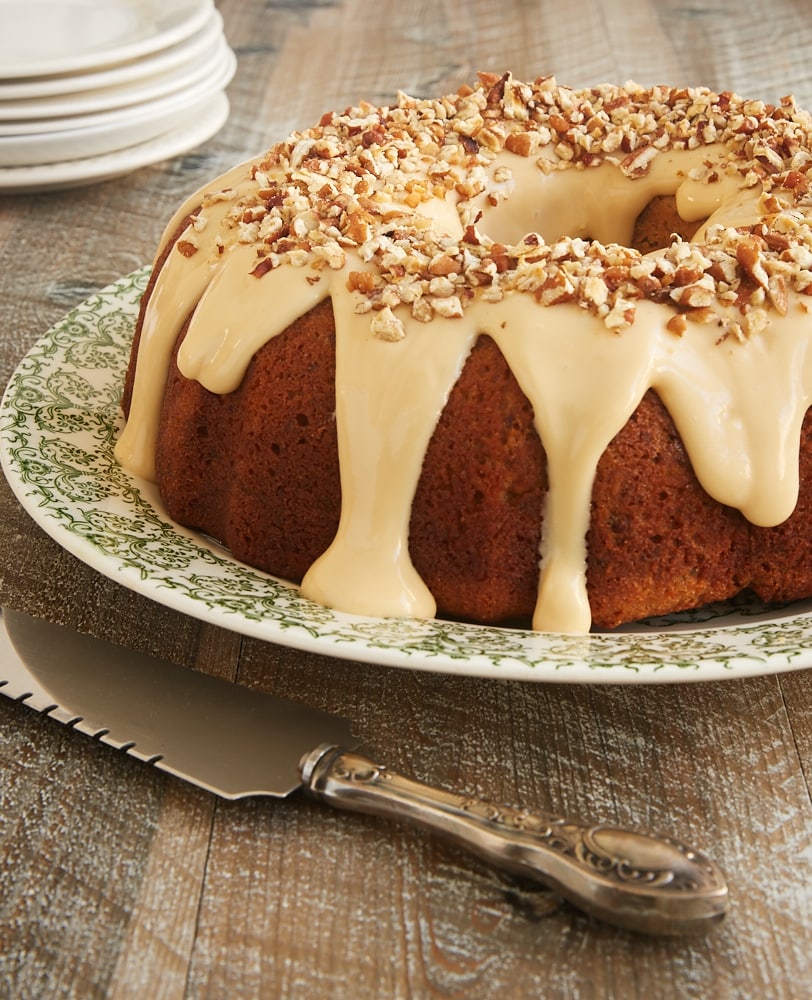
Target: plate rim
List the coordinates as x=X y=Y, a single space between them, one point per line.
x=128 y=72
x=22 y=115
x=196 y=13
x=403 y=643
x=94 y=169
x=122 y=131
x=69 y=127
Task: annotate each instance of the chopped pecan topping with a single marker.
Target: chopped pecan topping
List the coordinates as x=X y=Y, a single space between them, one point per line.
x=358 y=186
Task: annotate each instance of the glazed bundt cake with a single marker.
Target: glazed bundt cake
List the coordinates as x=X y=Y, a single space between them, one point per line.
x=519 y=354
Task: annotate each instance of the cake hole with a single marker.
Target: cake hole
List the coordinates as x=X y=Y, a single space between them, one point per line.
x=657 y=224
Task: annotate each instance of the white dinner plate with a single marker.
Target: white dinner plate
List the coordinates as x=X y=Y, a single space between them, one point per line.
x=45 y=37
x=220 y=73
x=59 y=420
x=75 y=173
x=129 y=71
x=86 y=102
x=116 y=130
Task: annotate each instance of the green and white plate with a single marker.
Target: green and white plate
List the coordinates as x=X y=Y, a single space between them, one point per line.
x=58 y=423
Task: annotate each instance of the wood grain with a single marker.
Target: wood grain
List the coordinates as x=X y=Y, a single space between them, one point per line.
x=117 y=881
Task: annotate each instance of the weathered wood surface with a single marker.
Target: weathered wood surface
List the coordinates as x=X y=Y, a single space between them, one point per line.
x=117 y=881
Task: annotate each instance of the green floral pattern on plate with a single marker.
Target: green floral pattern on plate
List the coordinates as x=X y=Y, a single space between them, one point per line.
x=58 y=423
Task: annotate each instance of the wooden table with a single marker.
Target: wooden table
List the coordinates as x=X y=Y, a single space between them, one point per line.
x=118 y=881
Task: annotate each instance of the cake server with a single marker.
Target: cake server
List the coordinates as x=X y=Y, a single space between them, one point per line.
x=236 y=742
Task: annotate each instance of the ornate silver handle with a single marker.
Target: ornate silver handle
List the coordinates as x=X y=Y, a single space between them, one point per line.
x=639 y=881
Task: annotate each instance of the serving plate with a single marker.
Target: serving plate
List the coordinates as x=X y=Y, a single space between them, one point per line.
x=59 y=420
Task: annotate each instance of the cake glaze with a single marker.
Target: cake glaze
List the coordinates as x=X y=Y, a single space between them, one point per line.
x=506 y=212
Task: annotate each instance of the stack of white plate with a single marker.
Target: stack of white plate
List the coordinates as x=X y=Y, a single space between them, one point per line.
x=91 y=89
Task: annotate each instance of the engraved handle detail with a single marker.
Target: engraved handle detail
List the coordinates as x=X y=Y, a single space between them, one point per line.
x=639 y=881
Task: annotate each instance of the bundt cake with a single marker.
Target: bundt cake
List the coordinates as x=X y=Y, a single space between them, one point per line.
x=522 y=354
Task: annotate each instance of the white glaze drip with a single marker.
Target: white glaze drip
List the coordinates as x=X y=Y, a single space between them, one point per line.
x=388 y=402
